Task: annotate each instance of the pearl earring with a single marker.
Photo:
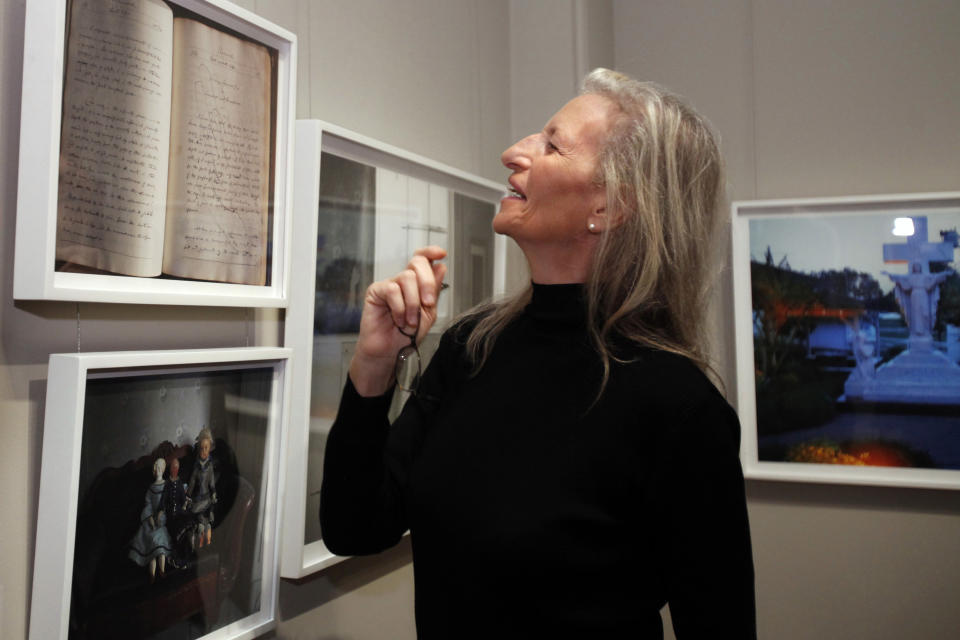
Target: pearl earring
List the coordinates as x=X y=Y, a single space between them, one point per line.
x=592 y=226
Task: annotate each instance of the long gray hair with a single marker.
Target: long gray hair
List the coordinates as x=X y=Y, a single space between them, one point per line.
x=663 y=174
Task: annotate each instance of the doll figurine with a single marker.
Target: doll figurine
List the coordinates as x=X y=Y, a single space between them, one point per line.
x=151 y=544
x=179 y=519
x=201 y=491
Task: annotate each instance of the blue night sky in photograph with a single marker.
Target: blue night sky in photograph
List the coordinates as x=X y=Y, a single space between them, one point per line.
x=815 y=243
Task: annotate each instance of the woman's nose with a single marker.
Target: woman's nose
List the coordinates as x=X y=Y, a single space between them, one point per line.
x=517 y=156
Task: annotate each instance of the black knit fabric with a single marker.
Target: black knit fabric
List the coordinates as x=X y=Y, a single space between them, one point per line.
x=535 y=513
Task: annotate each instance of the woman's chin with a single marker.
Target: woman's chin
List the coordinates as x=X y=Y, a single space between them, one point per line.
x=505 y=223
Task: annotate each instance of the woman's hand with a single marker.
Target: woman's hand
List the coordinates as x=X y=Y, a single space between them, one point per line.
x=406 y=301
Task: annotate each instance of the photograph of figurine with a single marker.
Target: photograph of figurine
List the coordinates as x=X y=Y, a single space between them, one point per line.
x=151 y=546
x=180 y=522
x=201 y=491
x=169 y=520
x=856 y=338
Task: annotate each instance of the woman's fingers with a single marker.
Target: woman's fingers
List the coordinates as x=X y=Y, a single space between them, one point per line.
x=389 y=294
x=405 y=301
x=425 y=263
x=410 y=288
x=416 y=287
x=431 y=252
x=439 y=272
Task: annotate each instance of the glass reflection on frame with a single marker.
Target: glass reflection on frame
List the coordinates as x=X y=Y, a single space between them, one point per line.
x=370 y=220
x=361 y=208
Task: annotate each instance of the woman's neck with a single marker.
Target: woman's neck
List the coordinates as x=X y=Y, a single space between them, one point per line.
x=550 y=264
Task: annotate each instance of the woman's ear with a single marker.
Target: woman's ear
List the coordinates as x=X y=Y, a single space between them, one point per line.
x=601 y=220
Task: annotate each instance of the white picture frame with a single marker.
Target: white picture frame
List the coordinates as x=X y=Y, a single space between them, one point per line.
x=242 y=395
x=301 y=557
x=844 y=339
x=35 y=273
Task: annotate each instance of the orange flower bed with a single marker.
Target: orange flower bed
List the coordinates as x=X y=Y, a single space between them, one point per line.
x=823 y=454
x=874 y=454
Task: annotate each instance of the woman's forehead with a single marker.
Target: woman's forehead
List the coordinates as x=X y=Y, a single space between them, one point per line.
x=586 y=116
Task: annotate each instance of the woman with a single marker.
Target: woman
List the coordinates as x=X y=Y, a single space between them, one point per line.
x=565 y=467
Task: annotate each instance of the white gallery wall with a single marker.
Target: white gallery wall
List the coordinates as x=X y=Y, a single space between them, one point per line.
x=812 y=98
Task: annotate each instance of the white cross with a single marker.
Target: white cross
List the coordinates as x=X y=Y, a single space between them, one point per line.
x=918 y=249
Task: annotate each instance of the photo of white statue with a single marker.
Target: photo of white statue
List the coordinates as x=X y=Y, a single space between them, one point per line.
x=854 y=323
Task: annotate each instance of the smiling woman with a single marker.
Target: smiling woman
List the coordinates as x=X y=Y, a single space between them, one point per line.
x=557 y=206
x=567 y=437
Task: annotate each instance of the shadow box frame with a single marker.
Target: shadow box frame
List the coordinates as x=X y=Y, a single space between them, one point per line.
x=299 y=558
x=35 y=275
x=821 y=210
x=66 y=395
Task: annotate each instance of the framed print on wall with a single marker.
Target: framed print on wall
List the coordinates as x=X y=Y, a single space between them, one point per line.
x=848 y=338
x=155 y=152
x=159 y=494
x=362 y=208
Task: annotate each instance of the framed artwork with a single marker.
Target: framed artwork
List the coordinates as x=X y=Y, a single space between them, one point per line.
x=155 y=153
x=848 y=339
x=362 y=208
x=159 y=494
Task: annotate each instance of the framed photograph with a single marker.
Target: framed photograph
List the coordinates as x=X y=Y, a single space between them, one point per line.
x=362 y=208
x=159 y=495
x=848 y=339
x=155 y=154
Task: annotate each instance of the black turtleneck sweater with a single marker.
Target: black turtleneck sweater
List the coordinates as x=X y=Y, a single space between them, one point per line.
x=535 y=513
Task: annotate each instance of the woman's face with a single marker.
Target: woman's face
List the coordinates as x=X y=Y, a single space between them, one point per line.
x=554 y=189
x=204 y=449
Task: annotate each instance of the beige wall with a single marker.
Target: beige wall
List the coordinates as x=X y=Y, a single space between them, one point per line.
x=824 y=98
x=814 y=98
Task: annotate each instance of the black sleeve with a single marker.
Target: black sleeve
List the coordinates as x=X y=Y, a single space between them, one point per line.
x=366 y=465
x=359 y=506
x=708 y=565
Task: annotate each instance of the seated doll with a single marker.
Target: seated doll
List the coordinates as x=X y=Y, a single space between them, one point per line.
x=201 y=490
x=180 y=521
x=151 y=543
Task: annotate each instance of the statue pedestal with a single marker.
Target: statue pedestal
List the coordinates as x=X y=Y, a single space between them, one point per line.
x=916 y=376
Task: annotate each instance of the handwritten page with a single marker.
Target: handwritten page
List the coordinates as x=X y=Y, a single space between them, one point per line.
x=115 y=136
x=217 y=200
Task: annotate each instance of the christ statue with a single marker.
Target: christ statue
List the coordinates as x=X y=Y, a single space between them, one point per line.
x=918 y=294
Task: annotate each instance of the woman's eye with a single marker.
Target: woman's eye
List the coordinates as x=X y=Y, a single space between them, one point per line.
x=551 y=147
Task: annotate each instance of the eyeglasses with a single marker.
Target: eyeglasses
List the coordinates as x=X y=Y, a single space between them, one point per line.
x=408 y=358
x=408 y=362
